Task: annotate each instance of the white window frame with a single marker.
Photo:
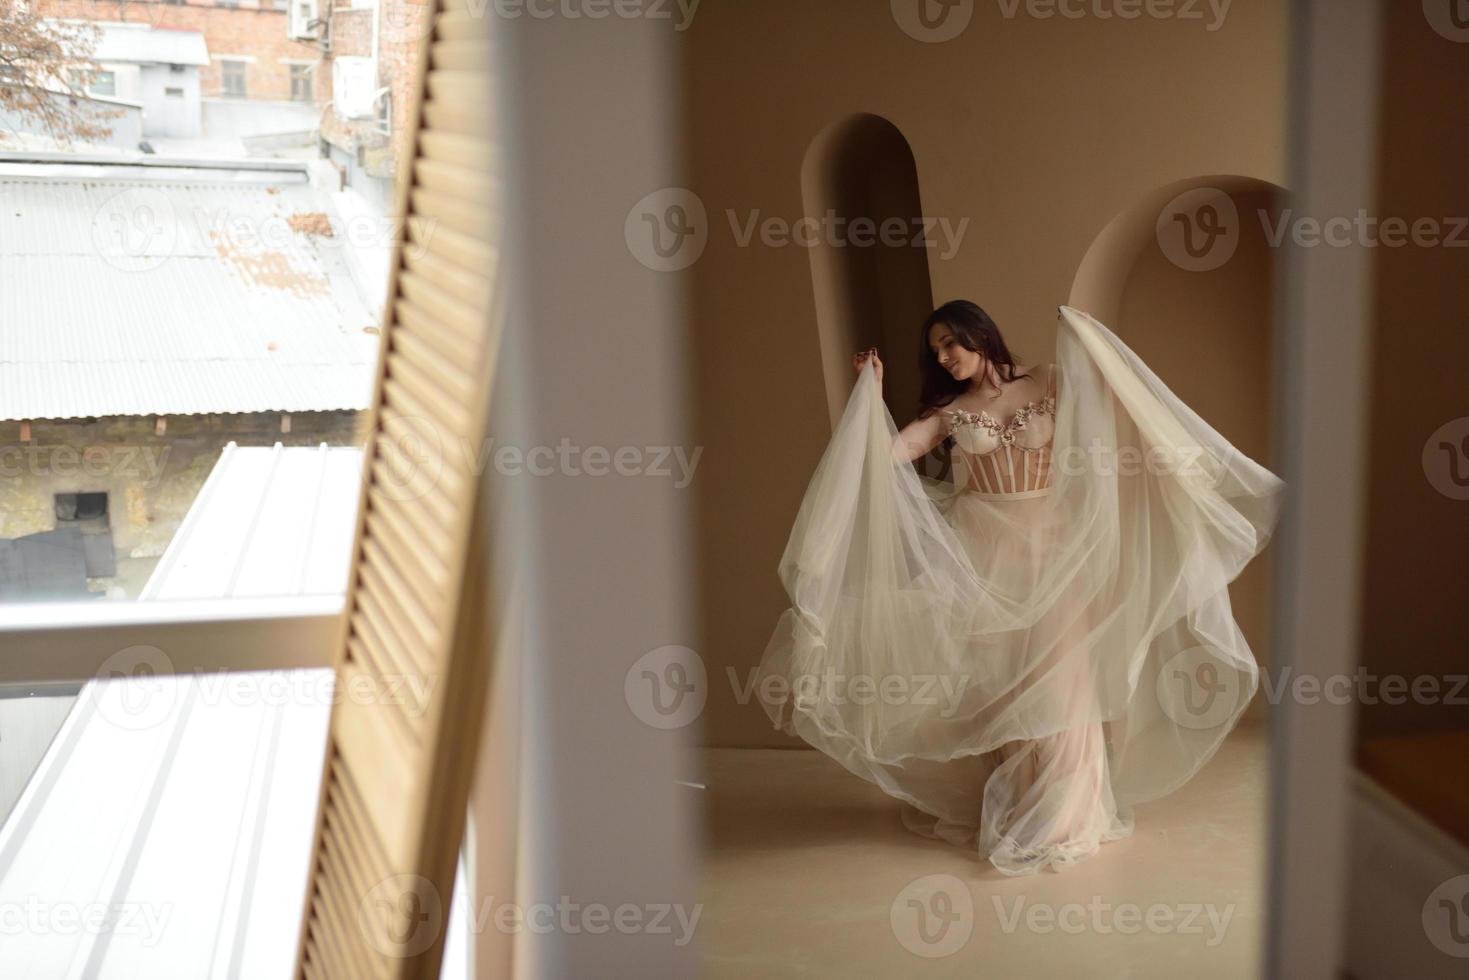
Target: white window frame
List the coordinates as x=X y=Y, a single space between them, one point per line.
x=72 y=642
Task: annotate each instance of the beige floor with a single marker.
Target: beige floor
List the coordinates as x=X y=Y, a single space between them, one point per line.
x=809 y=873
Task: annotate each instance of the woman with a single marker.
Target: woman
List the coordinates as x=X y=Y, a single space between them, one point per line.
x=1024 y=650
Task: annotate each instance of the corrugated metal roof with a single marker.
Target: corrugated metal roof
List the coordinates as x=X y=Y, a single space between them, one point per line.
x=175 y=295
x=269 y=521
x=145 y=44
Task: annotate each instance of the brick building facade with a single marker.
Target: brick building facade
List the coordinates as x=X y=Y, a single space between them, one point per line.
x=400 y=25
x=249 y=51
x=252 y=57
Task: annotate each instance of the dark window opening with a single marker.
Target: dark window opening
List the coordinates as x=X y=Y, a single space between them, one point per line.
x=87 y=513
x=81 y=506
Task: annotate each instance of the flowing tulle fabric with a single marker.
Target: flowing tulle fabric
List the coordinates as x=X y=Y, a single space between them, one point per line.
x=1022 y=672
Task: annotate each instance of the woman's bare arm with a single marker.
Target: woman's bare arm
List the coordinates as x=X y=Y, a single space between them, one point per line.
x=918 y=436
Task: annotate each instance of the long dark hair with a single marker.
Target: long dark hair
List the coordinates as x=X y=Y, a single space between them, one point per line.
x=973 y=329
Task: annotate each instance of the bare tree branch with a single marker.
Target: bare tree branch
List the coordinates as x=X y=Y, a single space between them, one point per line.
x=41 y=62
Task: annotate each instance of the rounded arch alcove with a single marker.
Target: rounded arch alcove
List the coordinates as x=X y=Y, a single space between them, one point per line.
x=870 y=290
x=1186 y=278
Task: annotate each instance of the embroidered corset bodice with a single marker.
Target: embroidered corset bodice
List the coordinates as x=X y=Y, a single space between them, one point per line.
x=1006 y=458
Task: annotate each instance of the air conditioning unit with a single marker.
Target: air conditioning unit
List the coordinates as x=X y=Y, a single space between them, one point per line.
x=304 y=22
x=354 y=86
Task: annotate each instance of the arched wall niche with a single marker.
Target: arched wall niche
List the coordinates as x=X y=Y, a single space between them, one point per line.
x=1201 y=321
x=866 y=295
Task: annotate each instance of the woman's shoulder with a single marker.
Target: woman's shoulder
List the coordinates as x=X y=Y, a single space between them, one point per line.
x=1041 y=373
x=1045 y=375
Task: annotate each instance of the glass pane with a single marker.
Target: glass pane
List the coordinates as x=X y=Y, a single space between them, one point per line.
x=229 y=218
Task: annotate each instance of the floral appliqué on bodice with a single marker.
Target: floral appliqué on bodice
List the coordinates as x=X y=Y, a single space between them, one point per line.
x=1006 y=432
x=1009 y=466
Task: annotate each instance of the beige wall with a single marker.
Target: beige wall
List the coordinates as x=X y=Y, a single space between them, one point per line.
x=1039 y=132
x=1208 y=335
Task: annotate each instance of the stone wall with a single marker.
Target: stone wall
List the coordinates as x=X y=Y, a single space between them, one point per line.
x=150 y=479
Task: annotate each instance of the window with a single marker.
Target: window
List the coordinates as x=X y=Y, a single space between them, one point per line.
x=93 y=82
x=288 y=495
x=232 y=75
x=81 y=506
x=300 y=83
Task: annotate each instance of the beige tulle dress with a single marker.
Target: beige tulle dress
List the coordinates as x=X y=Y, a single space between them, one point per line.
x=1027 y=648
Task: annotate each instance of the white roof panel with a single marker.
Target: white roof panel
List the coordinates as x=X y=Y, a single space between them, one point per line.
x=126 y=295
x=145 y=44
x=269 y=521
